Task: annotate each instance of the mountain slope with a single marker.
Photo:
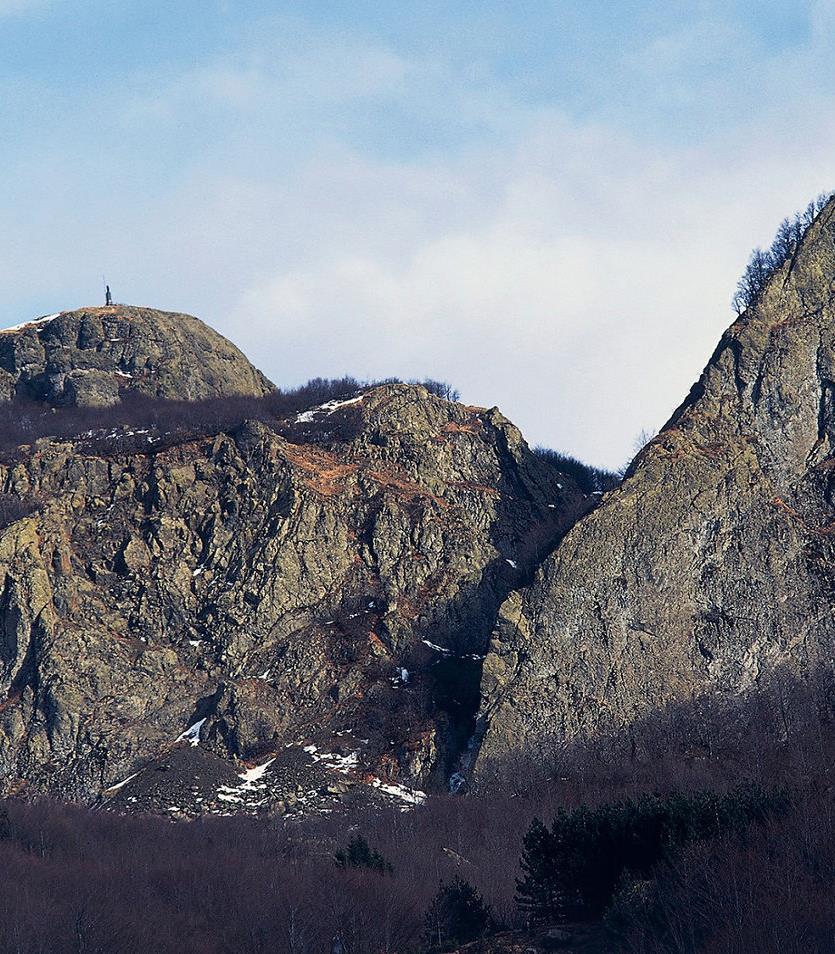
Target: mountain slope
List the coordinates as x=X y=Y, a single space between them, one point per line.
x=94 y=355
x=711 y=568
x=332 y=576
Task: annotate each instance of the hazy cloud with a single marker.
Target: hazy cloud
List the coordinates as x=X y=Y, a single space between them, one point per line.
x=350 y=202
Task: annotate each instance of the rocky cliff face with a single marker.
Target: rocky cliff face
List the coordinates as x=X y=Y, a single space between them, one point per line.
x=93 y=356
x=313 y=594
x=712 y=565
x=287 y=609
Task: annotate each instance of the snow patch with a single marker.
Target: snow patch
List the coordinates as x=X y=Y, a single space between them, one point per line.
x=118 y=785
x=227 y=797
x=436 y=647
x=251 y=783
x=411 y=796
x=341 y=763
x=192 y=733
x=31 y=324
x=254 y=774
x=306 y=417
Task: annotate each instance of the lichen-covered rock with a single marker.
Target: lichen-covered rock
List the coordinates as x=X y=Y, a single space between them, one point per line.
x=712 y=565
x=337 y=574
x=92 y=356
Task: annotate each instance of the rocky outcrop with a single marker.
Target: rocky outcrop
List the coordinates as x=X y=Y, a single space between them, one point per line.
x=331 y=579
x=93 y=356
x=712 y=565
x=318 y=593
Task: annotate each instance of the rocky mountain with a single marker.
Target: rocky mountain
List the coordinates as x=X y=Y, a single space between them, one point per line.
x=710 y=570
x=307 y=599
x=364 y=598
x=93 y=356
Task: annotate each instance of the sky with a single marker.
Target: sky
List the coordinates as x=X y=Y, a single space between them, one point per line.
x=547 y=204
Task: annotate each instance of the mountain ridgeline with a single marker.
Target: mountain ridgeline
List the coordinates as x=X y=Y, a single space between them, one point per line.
x=707 y=575
x=241 y=600
x=305 y=581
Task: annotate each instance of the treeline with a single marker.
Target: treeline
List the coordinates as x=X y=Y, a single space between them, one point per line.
x=589 y=479
x=653 y=848
x=573 y=869
x=764 y=263
x=129 y=424
x=24 y=421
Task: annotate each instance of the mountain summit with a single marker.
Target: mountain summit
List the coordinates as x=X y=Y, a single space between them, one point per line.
x=709 y=571
x=389 y=587
x=309 y=594
x=94 y=356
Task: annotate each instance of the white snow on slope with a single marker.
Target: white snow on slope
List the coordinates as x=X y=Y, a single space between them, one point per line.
x=192 y=733
x=327 y=408
x=342 y=763
x=250 y=784
x=411 y=796
x=254 y=774
x=436 y=647
x=30 y=324
x=118 y=785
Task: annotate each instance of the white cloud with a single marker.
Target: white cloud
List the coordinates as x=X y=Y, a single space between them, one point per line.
x=276 y=77
x=580 y=280
x=13 y=8
x=573 y=272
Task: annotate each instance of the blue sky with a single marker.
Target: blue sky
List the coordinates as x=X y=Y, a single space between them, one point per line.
x=547 y=203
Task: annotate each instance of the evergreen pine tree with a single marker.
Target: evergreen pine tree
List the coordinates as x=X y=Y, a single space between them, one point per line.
x=359 y=854
x=541 y=892
x=456 y=916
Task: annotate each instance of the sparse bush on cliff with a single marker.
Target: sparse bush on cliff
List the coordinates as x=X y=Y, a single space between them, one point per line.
x=441 y=389
x=763 y=264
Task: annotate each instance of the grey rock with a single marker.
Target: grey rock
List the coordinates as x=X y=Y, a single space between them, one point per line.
x=272 y=581
x=711 y=567
x=92 y=356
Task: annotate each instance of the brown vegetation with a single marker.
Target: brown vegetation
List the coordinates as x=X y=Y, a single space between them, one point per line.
x=77 y=881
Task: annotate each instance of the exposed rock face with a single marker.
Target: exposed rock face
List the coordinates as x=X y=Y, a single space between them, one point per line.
x=712 y=564
x=320 y=593
x=339 y=573
x=91 y=356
